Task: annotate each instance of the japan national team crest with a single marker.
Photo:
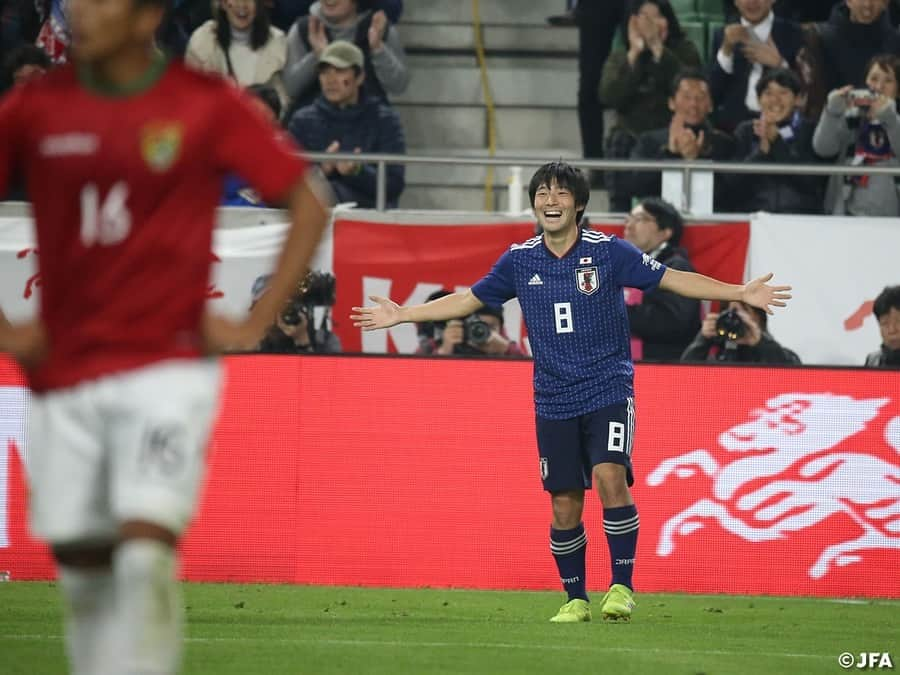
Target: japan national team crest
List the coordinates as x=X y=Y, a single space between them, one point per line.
x=586 y=278
x=161 y=144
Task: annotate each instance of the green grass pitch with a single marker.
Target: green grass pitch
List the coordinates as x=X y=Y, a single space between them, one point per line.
x=270 y=630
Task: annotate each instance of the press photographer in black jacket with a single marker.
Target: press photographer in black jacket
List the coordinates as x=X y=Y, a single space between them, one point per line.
x=738 y=335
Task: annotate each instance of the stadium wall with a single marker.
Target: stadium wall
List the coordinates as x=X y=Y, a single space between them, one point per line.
x=406 y=472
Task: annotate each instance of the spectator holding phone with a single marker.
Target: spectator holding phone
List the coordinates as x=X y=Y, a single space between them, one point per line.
x=861 y=127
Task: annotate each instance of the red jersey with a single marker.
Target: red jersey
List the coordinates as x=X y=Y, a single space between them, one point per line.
x=124 y=191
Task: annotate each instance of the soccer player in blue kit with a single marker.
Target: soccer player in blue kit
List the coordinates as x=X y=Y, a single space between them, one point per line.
x=569 y=283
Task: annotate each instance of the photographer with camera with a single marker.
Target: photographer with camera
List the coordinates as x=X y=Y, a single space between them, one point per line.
x=886 y=309
x=861 y=127
x=295 y=330
x=738 y=335
x=479 y=334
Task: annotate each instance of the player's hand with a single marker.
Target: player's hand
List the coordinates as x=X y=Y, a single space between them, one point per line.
x=376 y=30
x=733 y=34
x=759 y=294
x=763 y=53
x=454 y=334
x=384 y=314
x=348 y=168
x=315 y=33
x=25 y=342
x=221 y=334
x=708 y=327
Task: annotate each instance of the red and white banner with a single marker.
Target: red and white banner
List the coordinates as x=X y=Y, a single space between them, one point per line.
x=377 y=472
x=401 y=255
x=837 y=267
x=409 y=260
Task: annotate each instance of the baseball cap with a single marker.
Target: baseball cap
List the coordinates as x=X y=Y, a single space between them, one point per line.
x=342 y=54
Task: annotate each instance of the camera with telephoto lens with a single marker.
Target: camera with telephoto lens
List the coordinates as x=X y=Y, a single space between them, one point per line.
x=730 y=326
x=316 y=290
x=475 y=331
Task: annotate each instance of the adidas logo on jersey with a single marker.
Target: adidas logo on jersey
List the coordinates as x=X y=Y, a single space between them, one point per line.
x=535 y=281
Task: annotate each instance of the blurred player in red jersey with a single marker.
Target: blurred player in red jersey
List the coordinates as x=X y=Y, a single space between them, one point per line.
x=124 y=156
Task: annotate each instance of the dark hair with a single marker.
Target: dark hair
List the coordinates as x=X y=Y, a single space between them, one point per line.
x=267 y=95
x=24 y=55
x=566 y=176
x=688 y=74
x=165 y=4
x=259 y=29
x=666 y=216
x=783 y=77
x=674 y=35
x=888 y=299
x=491 y=311
x=888 y=62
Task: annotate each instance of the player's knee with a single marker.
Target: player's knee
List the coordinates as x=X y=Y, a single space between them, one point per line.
x=612 y=484
x=142 y=561
x=83 y=555
x=141 y=529
x=567 y=508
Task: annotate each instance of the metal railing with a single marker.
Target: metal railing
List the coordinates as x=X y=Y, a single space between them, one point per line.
x=688 y=168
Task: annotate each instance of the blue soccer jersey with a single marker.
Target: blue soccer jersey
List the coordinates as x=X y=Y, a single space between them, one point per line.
x=574 y=308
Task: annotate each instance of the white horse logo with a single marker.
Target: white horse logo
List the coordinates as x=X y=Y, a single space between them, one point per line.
x=786 y=434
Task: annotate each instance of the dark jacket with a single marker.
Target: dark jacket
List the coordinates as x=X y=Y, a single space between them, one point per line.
x=666 y=321
x=847 y=47
x=371 y=126
x=718 y=146
x=640 y=94
x=884 y=358
x=794 y=193
x=767 y=351
x=730 y=91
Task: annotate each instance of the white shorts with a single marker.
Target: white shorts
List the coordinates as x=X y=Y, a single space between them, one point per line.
x=129 y=446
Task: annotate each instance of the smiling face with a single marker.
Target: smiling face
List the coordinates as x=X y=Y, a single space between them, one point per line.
x=240 y=13
x=882 y=81
x=777 y=103
x=554 y=207
x=692 y=101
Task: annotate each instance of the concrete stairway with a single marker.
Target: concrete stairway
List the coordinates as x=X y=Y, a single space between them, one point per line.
x=533 y=75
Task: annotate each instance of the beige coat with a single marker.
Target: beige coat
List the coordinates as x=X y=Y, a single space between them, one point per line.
x=205 y=53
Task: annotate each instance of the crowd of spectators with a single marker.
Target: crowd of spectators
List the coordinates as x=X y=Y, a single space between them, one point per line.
x=324 y=70
x=784 y=82
x=796 y=82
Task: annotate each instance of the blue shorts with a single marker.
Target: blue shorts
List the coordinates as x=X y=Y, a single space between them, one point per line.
x=569 y=449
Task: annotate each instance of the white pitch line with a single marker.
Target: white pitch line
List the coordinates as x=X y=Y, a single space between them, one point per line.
x=467 y=645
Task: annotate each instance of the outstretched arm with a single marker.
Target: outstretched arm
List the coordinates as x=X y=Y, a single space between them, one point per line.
x=756 y=293
x=387 y=313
